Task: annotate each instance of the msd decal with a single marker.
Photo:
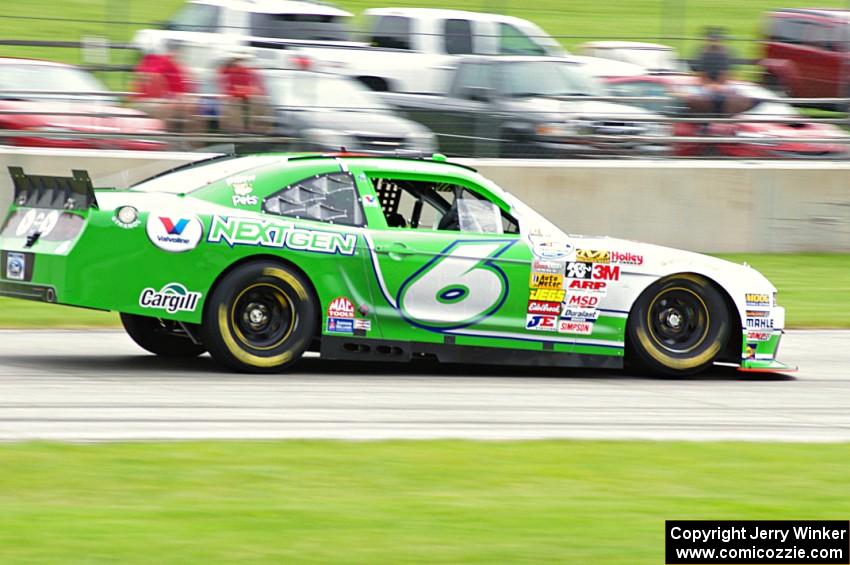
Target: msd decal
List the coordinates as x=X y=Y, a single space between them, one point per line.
x=538 y=307
x=570 y=327
x=341 y=307
x=582 y=301
x=174 y=233
x=174 y=297
x=541 y=323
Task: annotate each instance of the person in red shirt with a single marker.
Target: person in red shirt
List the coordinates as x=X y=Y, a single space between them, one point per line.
x=161 y=88
x=244 y=104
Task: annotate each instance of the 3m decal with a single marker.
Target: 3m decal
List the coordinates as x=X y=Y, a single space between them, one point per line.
x=758 y=299
x=606 y=272
x=626 y=258
x=593 y=256
x=582 y=301
x=571 y=327
x=579 y=314
x=340 y=325
x=341 y=307
x=268 y=233
x=537 y=307
x=541 y=323
x=173 y=297
x=175 y=233
x=758 y=336
x=577 y=270
x=547 y=295
x=458 y=288
x=597 y=287
x=552 y=267
x=546 y=280
x=760 y=323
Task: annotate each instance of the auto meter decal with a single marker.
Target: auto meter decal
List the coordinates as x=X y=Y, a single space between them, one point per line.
x=174 y=232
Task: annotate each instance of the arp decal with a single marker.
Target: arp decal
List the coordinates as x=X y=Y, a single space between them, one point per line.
x=341 y=307
x=267 y=233
x=550 y=308
x=593 y=256
x=174 y=232
x=173 y=297
x=758 y=299
x=547 y=294
x=546 y=280
x=597 y=287
x=541 y=323
x=571 y=327
x=458 y=288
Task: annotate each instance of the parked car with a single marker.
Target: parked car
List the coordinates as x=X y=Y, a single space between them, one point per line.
x=59 y=101
x=653 y=57
x=526 y=107
x=759 y=138
x=807 y=52
x=328 y=112
x=404 y=49
x=607 y=68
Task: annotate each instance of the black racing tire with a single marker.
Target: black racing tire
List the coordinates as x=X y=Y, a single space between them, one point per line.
x=260 y=318
x=678 y=326
x=160 y=337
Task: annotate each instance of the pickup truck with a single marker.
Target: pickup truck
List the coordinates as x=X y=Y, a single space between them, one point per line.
x=523 y=106
x=404 y=49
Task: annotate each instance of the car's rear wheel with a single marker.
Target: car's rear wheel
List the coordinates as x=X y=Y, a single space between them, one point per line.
x=260 y=318
x=678 y=326
x=160 y=337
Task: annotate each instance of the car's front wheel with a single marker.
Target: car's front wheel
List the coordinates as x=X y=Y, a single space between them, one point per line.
x=678 y=326
x=160 y=337
x=260 y=318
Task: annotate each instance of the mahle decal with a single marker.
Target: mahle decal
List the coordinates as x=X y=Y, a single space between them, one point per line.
x=174 y=297
x=265 y=233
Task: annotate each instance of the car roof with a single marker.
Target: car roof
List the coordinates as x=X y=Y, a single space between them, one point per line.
x=520 y=58
x=834 y=13
x=442 y=14
x=625 y=45
x=277 y=7
x=42 y=62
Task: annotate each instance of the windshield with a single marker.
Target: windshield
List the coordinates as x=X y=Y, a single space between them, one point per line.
x=547 y=78
x=49 y=78
x=190 y=179
x=312 y=90
x=530 y=222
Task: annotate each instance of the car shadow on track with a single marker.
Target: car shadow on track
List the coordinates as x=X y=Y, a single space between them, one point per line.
x=163 y=367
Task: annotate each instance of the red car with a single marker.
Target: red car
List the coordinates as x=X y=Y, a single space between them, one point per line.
x=62 y=100
x=760 y=138
x=807 y=52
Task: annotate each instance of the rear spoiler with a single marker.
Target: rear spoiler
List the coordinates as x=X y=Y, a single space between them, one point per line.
x=60 y=193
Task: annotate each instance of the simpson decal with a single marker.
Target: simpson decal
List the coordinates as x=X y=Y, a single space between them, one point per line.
x=570 y=327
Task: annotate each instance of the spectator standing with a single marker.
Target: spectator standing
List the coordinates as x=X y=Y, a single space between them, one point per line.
x=162 y=88
x=245 y=106
x=714 y=66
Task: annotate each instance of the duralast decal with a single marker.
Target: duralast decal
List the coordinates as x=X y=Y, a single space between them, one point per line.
x=267 y=233
x=173 y=297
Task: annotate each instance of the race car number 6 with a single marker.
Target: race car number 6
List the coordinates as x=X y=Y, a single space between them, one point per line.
x=457 y=289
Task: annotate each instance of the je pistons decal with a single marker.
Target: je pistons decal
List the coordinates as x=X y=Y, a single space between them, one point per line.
x=268 y=233
x=541 y=323
x=545 y=280
x=174 y=297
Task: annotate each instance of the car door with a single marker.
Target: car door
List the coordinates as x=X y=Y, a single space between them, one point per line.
x=449 y=264
x=469 y=122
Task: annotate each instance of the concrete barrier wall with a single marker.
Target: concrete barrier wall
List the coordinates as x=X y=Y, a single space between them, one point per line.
x=696 y=205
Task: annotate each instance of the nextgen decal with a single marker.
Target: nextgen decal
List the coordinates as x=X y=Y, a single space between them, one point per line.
x=266 y=233
x=174 y=297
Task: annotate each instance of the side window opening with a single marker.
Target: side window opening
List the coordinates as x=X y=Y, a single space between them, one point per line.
x=440 y=206
x=391 y=32
x=330 y=198
x=512 y=41
x=196 y=17
x=458 y=37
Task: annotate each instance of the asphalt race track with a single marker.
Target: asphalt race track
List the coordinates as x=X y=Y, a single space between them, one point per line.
x=98 y=386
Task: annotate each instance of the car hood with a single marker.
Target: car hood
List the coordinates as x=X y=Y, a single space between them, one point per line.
x=93 y=117
x=593 y=109
x=374 y=124
x=800 y=130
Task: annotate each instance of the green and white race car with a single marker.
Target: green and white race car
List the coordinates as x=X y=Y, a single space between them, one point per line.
x=260 y=258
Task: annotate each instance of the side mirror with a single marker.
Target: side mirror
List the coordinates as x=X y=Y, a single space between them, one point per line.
x=479 y=93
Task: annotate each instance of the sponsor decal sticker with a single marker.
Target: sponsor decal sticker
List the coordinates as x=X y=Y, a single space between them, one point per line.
x=571 y=327
x=579 y=314
x=542 y=323
x=243 y=186
x=552 y=267
x=370 y=201
x=16 y=264
x=758 y=336
x=341 y=325
x=546 y=280
x=750 y=351
x=593 y=256
x=549 y=250
x=341 y=307
x=597 y=271
x=579 y=270
x=538 y=307
x=174 y=233
x=365 y=325
x=760 y=323
x=173 y=297
x=626 y=258
x=268 y=233
x=582 y=301
x=758 y=314
x=547 y=295
x=758 y=300
x=596 y=287
x=38 y=221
